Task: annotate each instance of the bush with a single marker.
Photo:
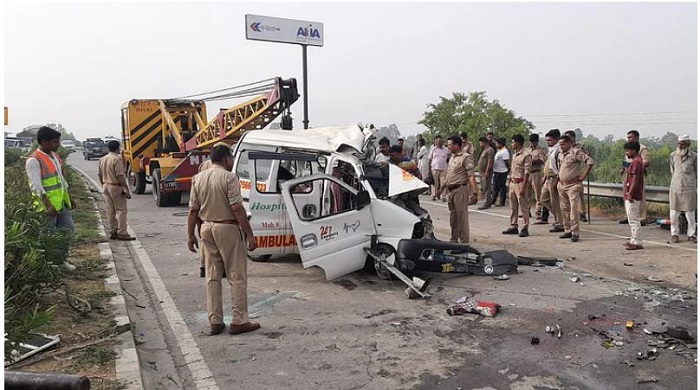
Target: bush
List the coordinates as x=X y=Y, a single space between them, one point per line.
x=12 y=156
x=34 y=254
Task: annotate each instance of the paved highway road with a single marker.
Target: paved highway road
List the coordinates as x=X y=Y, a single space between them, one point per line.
x=360 y=332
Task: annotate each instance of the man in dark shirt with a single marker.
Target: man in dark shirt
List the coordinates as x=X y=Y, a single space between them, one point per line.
x=633 y=194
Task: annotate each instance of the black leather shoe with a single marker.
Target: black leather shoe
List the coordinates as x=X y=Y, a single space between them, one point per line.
x=566 y=235
x=524 y=233
x=574 y=238
x=583 y=217
x=556 y=229
x=511 y=230
x=623 y=221
x=201 y=272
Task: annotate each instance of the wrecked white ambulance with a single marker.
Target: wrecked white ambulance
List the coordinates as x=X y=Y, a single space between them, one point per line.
x=319 y=193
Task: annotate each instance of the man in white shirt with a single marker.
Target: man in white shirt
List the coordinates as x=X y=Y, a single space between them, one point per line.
x=437 y=159
x=500 y=172
x=46 y=176
x=383 y=156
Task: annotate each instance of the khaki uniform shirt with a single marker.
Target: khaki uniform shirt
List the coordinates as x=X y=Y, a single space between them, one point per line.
x=459 y=168
x=205 y=165
x=486 y=155
x=468 y=147
x=538 y=153
x=521 y=164
x=214 y=191
x=684 y=179
x=570 y=164
x=111 y=167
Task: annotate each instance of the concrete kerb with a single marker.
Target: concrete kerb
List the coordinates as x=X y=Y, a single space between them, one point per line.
x=127 y=363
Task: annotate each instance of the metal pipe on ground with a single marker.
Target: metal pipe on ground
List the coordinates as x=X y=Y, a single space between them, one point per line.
x=16 y=380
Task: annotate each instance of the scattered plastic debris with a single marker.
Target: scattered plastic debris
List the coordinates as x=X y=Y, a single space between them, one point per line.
x=575 y=279
x=484 y=308
x=649 y=354
x=502 y=277
x=654 y=279
x=629 y=363
x=535 y=341
x=630 y=325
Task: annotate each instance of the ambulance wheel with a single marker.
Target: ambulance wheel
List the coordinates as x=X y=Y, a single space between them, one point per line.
x=384 y=251
x=259 y=258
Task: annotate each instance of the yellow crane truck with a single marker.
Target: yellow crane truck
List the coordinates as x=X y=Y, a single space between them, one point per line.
x=165 y=140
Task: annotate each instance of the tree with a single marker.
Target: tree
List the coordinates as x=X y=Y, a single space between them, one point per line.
x=473 y=114
x=392 y=132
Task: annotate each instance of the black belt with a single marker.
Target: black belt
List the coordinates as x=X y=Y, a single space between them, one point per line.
x=455 y=186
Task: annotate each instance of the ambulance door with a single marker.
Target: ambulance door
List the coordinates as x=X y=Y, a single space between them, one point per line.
x=334 y=239
x=269 y=218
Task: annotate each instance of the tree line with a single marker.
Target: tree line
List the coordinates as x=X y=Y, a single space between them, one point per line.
x=476 y=115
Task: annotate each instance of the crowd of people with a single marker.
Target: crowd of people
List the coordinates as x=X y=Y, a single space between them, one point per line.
x=550 y=179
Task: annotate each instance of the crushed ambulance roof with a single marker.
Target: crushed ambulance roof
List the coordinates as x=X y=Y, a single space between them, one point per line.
x=321 y=139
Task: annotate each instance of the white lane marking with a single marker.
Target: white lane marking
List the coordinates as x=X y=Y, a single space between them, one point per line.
x=584 y=230
x=193 y=357
x=199 y=371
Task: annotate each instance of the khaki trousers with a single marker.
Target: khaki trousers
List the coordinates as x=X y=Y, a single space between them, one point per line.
x=569 y=198
x=536 y=186
x=116 y=208
x=224 y=248
x=519 y=204
x=550 y=199
x=439 y=177
x=485 y=186
x=458 y=204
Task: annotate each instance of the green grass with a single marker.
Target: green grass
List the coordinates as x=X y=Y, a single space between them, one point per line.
x=84 y=215
x=97 y=355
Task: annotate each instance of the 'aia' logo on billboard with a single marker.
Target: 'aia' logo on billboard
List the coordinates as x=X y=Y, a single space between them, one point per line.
x=308 y=32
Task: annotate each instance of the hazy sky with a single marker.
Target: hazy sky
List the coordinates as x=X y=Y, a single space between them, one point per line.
x=76 y=63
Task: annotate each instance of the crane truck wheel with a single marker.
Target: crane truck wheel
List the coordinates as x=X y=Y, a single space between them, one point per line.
x=137 y=180
x=162 y=200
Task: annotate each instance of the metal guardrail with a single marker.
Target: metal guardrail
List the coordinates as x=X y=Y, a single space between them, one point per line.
x=656 y=194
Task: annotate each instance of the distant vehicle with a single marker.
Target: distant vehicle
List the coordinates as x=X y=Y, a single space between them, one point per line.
x=94 y=148
x=68 y=145
x=16 y=143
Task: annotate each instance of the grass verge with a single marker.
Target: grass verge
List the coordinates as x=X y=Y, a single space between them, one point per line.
x=87 y=342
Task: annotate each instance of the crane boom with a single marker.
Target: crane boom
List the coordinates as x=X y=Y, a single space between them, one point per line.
x=230 y=124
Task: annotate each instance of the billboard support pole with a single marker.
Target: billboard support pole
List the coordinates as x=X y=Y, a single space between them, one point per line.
x=306 y=87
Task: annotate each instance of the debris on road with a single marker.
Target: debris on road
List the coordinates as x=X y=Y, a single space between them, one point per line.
x=484 y=308
x=502 y=277
x=535 y=341
x=575 y=279
x=650 y=380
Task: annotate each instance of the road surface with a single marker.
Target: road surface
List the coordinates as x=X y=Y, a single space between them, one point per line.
x=359 y=332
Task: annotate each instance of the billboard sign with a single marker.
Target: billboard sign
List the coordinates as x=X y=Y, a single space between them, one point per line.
x=265 y=28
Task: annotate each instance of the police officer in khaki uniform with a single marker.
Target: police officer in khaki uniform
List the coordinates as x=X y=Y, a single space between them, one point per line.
x=116 y=192
x=570 y=184
x=539 y=157
x=485 y=166
x=467 y=146
x=550 y=193
x=202 y=167
x=518 y=193
x=580 y=146
x=215 y=198
x=460 y=174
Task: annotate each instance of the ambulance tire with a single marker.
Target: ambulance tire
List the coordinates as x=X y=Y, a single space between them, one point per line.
x=378 y=268
x=259 y=258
